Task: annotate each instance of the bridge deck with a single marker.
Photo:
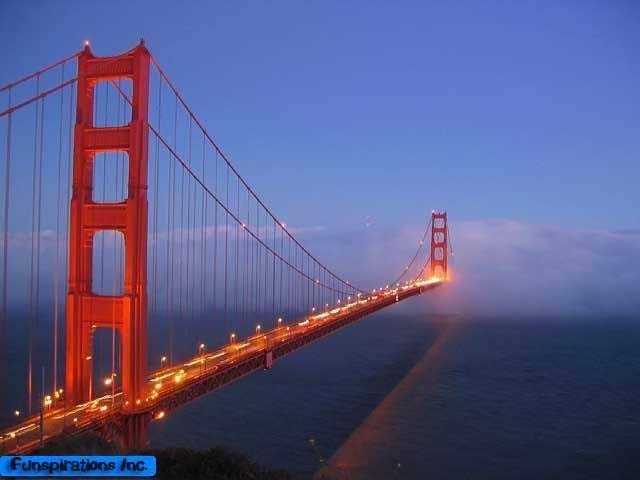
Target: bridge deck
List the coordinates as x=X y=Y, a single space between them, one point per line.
x=175 y=386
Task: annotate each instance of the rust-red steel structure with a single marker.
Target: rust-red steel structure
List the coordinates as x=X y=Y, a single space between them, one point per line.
x=87 y=311
x=257 y=264
x=439 y=244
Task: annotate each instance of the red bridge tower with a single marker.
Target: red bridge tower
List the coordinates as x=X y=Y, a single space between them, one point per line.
x=86 y=310
x=439 y=244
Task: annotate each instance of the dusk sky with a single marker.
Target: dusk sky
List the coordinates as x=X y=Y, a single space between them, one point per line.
x=518 y=118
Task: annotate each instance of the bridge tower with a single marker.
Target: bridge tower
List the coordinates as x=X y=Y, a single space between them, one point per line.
x=439 y=244
x=87 y=311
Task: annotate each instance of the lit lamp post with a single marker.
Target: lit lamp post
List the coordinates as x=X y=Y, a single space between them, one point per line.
x=88 y=359
x=201 y=350
x=108 y=382
x=258 y=329
x=16 y=413
x=163 y=361
x=232 y=341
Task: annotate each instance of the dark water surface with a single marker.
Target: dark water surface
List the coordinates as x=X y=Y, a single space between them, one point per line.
x=435 y=397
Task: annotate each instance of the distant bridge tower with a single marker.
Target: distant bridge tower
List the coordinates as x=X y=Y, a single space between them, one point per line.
x=86 y=310
x=439 y=244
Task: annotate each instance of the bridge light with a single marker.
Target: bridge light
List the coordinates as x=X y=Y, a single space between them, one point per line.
x=87 y=43
x=109 y=380
x=88 y=357
x=75 y=419
x=279 y=320
x=258 y=328
x=160 y=415
x=103 y=408
x=232 y=338
x=313 y=309
x=16 y=413
x=158 y=386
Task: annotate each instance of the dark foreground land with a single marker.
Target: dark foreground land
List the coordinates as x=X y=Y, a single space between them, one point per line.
x=177 y=463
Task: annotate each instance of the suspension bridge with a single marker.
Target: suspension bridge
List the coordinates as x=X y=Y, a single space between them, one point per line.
x=120 y=216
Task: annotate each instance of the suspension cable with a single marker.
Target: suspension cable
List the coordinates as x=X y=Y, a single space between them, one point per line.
x=240 y=178
x=229 y=213
x=38 y=72
x=415 y=256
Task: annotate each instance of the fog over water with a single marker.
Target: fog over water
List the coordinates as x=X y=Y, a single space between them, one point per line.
x=507 y=267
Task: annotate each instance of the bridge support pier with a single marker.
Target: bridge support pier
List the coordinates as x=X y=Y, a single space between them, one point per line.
x=136 y=432
x=268 y=360
x=128 y=432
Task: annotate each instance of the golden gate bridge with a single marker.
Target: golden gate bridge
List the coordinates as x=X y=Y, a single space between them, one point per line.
x=113 y=187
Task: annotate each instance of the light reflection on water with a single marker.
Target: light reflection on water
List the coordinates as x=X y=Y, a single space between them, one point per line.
x=412 y=397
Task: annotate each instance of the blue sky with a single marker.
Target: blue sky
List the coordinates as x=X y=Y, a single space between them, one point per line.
x=337 y=112
x=519 y=110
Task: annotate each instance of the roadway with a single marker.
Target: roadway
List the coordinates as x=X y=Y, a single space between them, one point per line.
x=170 y=387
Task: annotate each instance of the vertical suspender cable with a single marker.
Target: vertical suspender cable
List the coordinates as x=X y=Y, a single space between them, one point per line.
x=203 y=244
x=237 y=252
x=215 y=240
x=154 y=303
x=56 y=268
x=33 y=220
x=188 y=304
x=5 y=242
x=226 y=257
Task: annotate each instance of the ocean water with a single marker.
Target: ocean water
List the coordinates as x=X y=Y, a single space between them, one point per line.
x=436 y=397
